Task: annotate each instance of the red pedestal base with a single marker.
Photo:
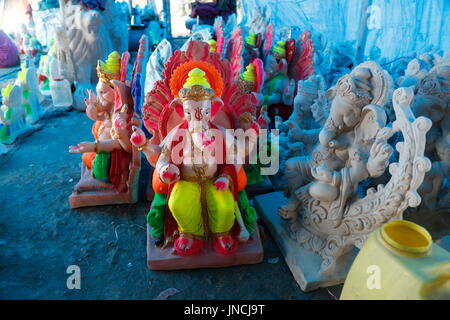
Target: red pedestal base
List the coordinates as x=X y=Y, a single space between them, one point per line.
x=250 y=252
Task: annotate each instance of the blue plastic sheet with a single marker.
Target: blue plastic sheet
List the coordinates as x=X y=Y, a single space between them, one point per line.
x=397 y=27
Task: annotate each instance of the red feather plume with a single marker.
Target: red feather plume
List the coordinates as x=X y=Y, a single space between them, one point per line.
x=304 y=64
x=259 y=70
x=268 y=39
x=220 y=39
x=124 y=66
x=236 y=53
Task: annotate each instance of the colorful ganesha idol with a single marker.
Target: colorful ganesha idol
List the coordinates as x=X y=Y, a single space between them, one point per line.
x=252 y=80
x=111 y=165
x=200 y=204
x=252 y=45
x=288 y=62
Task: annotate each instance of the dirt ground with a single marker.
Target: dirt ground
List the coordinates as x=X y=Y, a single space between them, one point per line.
x=40 y=236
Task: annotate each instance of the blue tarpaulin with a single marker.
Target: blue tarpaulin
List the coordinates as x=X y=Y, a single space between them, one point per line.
x=397 y=27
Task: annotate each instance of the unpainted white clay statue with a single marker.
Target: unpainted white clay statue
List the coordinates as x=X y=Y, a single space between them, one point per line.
x=299 y=134
x=116 y=22
x=203 y=34
x=155 y=65
x=84 y=38
x=308 y=93
x=12 y=115
x=335 y=202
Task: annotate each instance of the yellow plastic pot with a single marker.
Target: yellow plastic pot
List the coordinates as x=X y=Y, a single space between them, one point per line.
x=399 y=261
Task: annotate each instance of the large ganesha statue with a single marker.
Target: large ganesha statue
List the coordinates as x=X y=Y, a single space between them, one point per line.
x=335 y=201
x=200 y=201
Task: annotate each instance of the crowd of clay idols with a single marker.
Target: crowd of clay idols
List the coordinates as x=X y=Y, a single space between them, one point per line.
x=359 y=142
x=337 y=136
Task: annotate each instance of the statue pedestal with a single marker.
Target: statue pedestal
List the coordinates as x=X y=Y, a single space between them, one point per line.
x=100 y=197
x=250 y=252
x=304 y=264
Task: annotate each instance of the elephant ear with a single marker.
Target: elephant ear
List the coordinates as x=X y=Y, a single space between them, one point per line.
x=373 y=118
x=122 y=95
x=177 y=106
x=217 y=104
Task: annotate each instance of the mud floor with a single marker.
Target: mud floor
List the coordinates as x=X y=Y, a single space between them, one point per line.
x=40 y=236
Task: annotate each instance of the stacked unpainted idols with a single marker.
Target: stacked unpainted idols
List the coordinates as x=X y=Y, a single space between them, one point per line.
x=333 y=60
x=300 y=132
x=356 y=171
x=429 y=75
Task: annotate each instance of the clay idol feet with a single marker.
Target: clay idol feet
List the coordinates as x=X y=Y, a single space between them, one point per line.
x=188 y=245
x=224 y=244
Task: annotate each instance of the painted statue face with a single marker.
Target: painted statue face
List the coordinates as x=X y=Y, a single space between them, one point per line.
x=105 y=95
x=197 y=113
x=275 y=66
